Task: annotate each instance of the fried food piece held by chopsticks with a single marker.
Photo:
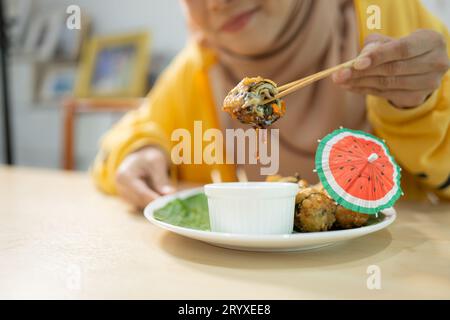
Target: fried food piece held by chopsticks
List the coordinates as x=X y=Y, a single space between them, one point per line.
x=246 y=102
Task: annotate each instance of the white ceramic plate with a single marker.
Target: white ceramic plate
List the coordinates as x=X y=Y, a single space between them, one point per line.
x=269 y=243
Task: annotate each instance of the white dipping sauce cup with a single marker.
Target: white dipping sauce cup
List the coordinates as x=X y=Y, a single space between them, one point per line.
x=252 y=207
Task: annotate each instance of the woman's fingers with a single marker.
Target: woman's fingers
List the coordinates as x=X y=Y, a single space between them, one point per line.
x=155 y=166
x=408 y=99
x=426 y=63
x=135 y=190
x=404 y=71
x=435 y=61
x=160 y=181
x=427 y=81
x=375 y=38
x=414 y=45
x=371 y=43
x=142 y=176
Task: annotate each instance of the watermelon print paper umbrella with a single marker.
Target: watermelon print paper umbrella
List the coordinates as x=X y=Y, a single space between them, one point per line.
x=358 y=171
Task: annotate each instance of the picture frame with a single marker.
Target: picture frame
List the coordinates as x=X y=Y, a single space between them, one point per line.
x=43 y=34
x=56 y=81
x=114 y=66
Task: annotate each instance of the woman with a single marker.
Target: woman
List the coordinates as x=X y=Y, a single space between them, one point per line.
x=399 y=89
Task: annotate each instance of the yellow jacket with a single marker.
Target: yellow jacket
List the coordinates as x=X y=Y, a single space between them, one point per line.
x=418 y=138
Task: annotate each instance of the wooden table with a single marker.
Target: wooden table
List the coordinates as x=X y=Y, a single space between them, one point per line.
x=60 y=238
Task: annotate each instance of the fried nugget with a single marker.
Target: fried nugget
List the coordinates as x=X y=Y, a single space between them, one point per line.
x=314 y=211
x=348 y=219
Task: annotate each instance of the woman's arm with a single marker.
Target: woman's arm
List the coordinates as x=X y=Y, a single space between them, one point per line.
x=127 y=143
x=419 y=137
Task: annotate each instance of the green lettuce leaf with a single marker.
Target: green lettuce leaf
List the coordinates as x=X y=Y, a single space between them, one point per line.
x=191 y=212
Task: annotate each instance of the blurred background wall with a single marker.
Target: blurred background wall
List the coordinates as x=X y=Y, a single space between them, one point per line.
x=441 y=8
x=162 y=17
x=37 y=125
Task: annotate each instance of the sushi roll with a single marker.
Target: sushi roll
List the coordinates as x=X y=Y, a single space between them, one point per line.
x=246 y=102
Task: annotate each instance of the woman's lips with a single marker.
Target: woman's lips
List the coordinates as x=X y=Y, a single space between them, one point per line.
x=239 y=21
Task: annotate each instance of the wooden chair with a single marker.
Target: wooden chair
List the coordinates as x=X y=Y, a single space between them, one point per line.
x=73 y=107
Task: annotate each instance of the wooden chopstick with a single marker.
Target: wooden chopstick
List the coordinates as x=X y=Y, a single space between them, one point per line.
x=216 y=177
x=241 y=175
x=301 y=83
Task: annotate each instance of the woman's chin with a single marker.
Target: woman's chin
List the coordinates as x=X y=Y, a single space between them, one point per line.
x=246 y=48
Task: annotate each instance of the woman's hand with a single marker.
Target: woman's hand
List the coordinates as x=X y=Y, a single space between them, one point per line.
x=404 y=71
x=143 y=176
